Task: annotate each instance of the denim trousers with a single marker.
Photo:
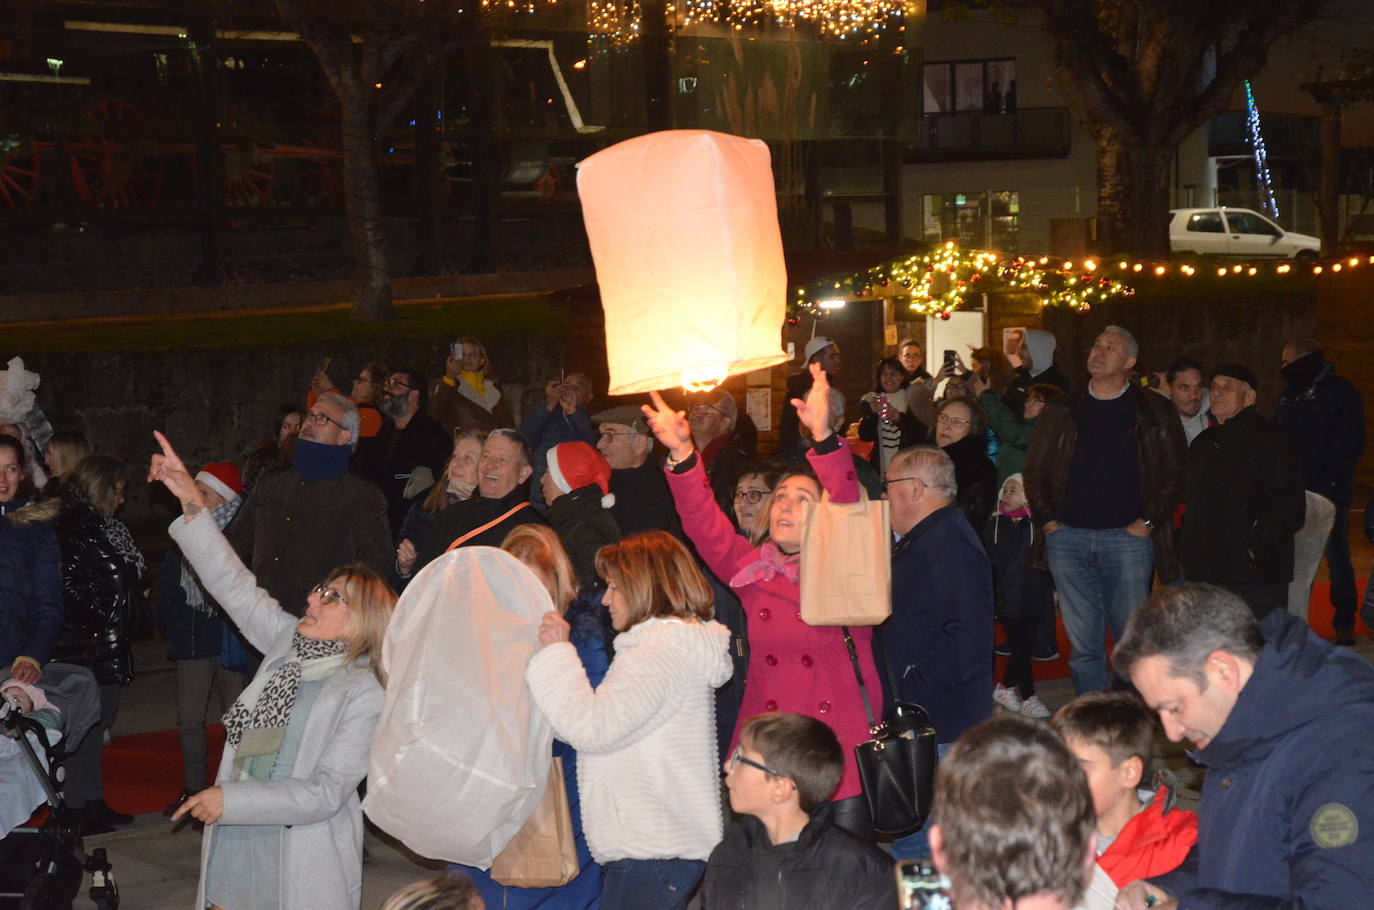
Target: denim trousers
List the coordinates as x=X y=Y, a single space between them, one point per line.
x=1101 y=576
x=636 y=884
x=917 y=844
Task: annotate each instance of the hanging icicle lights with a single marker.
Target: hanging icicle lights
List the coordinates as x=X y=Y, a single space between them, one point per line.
x=1261 y=152
x=842 y=19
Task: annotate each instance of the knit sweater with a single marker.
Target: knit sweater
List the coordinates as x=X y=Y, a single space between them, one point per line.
x=647 y=769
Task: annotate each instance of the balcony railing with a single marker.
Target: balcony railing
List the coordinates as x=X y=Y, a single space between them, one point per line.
x=1040 y=132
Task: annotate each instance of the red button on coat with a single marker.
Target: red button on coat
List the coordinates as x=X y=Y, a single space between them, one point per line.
x=765 y=614
x=824 y=707
x=770 y=705
x=771 y=660
x=806 y=660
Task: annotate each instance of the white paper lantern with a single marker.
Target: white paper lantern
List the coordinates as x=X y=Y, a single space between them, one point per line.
x=683 y=226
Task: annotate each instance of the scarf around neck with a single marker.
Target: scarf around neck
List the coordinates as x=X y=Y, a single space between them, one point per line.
x=256 y=725
x=190 y=581
x=317 y=461
x=771 y=562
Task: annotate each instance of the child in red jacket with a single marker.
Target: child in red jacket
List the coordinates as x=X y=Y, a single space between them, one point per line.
x=1140 y=833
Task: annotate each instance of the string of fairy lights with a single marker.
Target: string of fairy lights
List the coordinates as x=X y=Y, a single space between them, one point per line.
x=618 y=23
x=938 y=281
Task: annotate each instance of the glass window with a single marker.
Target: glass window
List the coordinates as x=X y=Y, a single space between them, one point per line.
x=1250 y=223
x=937 y=88
x=1207 y=222
x=971 y=86
x=985 y=221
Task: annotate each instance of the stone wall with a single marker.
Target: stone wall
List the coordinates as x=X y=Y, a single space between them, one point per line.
x=218 y=404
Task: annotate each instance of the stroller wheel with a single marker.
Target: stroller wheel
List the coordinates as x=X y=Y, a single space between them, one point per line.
x=44 y=893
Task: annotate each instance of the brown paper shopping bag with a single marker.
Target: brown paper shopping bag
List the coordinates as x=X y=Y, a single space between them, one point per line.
x=846 y=563
x=542 y=854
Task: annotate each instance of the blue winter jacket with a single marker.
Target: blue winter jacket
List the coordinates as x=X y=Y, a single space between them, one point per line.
x=1286 y=818
x=938 y=641
x=30 y=585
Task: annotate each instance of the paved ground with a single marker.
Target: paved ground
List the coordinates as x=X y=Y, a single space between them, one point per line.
x=157 y=868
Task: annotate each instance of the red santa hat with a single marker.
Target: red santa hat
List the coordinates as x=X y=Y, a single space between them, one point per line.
x=574 y=465
x=223 y=477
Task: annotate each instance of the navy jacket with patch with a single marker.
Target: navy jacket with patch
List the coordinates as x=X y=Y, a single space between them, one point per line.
x=1286 y=819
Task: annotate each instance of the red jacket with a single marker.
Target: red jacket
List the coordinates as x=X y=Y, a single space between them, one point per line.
x=1154 y=842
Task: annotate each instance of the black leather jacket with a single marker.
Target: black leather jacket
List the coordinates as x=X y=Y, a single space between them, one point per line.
x=100 y=590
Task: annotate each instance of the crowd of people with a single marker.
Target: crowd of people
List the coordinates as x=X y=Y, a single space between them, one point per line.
x=675 y=662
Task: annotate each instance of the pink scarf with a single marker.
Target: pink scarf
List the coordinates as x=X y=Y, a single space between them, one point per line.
x=771 y=561
x=1022 y=512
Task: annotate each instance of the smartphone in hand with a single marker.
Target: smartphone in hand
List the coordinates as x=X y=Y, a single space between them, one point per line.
x=921 y=887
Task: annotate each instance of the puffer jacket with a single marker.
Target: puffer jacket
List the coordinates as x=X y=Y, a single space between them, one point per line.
x=584 y=526
x=30 y=582
x=99 y=593
x=827 y=868
x=1162 y=448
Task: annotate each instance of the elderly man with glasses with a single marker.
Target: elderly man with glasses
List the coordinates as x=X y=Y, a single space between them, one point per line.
x=712 y=419
x=938 y=641
x=303 y=521
x=642 y=499
x=411 y=450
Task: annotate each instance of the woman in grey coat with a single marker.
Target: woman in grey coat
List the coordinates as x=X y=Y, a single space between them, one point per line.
x=283 y=824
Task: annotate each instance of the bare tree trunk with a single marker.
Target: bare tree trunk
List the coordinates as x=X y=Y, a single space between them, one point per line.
x=363 y=204
x=1328 y=198
x=1132 y=196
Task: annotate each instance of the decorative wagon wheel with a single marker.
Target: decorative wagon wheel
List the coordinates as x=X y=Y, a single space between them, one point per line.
x=247 y=178
x=21 y=173
x=109 y=172
x=319 y=171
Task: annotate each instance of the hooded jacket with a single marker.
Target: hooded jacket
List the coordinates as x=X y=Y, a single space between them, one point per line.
x=1324 y=416
x=99 y=595
x=647 y=770
x=584 y=526
x=30 y=583
x=1021 y=591
x=1154 y=842
x=1043 y=371
x=825 y=868
x=1286 y=816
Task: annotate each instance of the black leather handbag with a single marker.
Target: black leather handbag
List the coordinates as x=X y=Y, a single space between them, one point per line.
x=896 y=766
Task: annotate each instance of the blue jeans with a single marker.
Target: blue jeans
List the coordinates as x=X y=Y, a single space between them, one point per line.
x=1101 y=577
x=634 y=884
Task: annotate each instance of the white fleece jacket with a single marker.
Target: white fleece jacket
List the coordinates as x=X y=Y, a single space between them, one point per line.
x=647 y=770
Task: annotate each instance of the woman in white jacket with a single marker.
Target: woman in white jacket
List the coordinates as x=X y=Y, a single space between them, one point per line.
x=647 y=773
x=283 y=824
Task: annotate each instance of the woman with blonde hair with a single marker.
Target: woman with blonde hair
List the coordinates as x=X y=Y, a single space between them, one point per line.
x=538 y=547
x=283 y=824
x=65 y=451
x=438 y=892
x=651 y=716
x=459 y=482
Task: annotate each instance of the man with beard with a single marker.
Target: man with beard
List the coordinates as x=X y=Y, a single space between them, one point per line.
x=409 y=441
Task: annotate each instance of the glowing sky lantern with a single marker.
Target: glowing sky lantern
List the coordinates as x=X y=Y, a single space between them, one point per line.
x=683 y=227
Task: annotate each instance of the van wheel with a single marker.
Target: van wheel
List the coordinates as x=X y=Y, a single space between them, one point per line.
x=1306 y=254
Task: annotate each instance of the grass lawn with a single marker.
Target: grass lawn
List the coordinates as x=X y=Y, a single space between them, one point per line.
x=486 y=317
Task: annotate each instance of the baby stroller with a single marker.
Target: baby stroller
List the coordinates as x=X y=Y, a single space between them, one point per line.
x=42 y=865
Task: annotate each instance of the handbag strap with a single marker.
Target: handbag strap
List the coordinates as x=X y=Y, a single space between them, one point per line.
x=880 y=656
x=859 y=676
x=486 y=527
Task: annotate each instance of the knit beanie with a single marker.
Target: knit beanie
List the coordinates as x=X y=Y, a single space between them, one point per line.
x=223 y=477
x=574 y=465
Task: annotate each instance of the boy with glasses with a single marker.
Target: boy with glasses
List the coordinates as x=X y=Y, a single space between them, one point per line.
x=786 y=850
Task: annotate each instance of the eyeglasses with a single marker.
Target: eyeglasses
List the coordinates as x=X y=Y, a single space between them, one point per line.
x=736 y=759
x=394 y=383
x=750 y=496
x=702 y=408
x=888 y=483
x=610 y=434
x=319 y=419
x=328 y=595
x=955 y=421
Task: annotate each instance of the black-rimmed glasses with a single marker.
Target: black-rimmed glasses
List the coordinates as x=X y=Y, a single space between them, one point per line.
x=736 y=758
x=888 y=483
x=750 y=496
x=319 y=419
x=327 y=594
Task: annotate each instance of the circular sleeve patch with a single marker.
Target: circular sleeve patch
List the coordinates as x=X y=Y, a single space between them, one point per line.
x=1334 y=825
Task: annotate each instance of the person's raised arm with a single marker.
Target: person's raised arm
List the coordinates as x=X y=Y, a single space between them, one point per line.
x=225 y=578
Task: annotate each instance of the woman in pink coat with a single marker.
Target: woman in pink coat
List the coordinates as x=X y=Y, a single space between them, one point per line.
x=793 y=667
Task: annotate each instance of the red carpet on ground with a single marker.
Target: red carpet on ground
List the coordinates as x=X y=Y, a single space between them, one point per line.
x=143 y=771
